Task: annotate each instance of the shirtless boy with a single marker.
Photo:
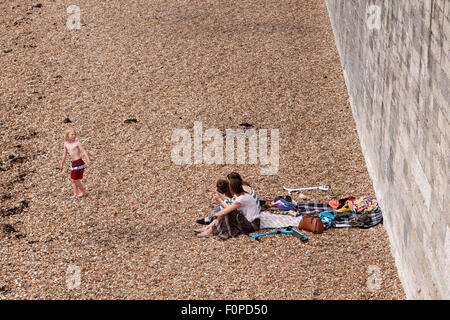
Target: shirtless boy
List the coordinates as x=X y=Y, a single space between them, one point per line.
x=74 y=148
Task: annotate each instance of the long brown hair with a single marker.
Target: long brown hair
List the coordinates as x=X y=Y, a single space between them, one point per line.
x=236 y=186
x=223 y=187
x=235 y=175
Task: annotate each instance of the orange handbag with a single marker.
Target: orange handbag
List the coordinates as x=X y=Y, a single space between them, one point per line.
x=311 y=223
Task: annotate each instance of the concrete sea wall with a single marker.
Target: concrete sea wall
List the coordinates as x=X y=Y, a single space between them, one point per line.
x=396 y=62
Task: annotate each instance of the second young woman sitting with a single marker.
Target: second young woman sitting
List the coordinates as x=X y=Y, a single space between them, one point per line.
x=223 y=190
x=241 y=217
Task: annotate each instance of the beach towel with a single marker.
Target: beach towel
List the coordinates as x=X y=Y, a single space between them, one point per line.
x=271 y=220
x=311 y=207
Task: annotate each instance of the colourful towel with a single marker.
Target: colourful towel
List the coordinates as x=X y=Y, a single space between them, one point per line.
x=273 y=221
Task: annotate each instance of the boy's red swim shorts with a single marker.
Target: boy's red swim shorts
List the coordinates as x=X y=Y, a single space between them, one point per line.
x=77 y=170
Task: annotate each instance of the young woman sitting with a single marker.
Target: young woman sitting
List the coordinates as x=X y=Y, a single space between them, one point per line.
x=241 y=217
x=223 y=190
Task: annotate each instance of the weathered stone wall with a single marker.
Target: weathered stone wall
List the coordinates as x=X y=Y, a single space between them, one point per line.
x=396 y=62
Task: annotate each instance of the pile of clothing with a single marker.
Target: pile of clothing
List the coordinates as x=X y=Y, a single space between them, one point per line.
x=362 y=212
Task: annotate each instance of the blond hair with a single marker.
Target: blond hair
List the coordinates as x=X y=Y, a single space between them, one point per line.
x=68 y=131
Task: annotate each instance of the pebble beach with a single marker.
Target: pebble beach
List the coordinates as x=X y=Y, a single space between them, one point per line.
x=132 y=74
